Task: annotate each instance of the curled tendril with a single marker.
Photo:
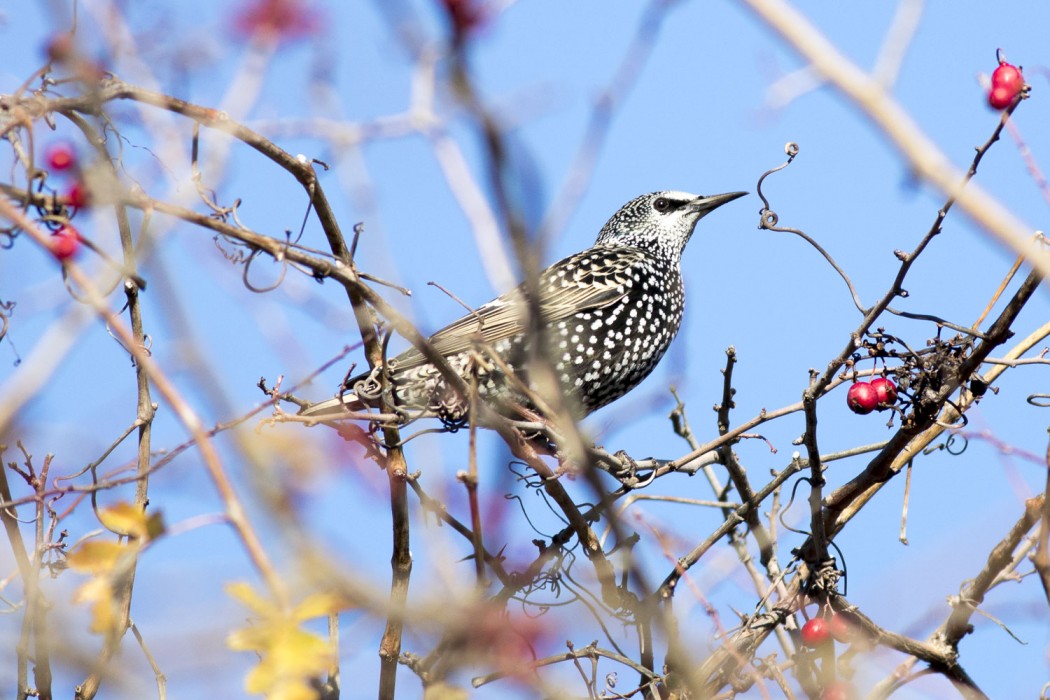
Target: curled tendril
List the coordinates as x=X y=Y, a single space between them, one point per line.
x=1039 y=400
x=769 y=220
x=146 y=347
x=949 y=445
x=359 y=228
x=420 y=433
x=791 y=149
x=955 y=426
x=791 y=501
x=53 y=222
x=234 y=256
x=951 y=441
x=254 y=255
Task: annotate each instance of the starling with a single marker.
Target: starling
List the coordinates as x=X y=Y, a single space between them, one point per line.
x=609 y=314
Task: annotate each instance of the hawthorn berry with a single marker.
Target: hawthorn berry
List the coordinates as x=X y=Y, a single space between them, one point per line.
x=837 y=691
x=1007 y=75
x=1000 y=97
x=78 y=195
x=65 y=242
x=841 y=627
x=60 y=47
x=885 y=392
x=60 y=157
x=815 y=632
x=465 y=15
x=284 y=20
x=862 y=398
x=1007 y=83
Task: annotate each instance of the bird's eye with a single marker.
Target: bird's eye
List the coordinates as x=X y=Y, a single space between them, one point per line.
x=663 y=205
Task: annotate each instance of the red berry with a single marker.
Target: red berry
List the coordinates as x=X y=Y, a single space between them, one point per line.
x=837 y=691
x=1007 y=82
x=465 y=15
x=78 y=195
x=285 y=20
x=885 y=392
x=60 y=156
x=1001 y=97
x=60 y=47
x=842 y=628
x=862 y=398
x=815 y=632
x=65 y=242
x=1008 y=76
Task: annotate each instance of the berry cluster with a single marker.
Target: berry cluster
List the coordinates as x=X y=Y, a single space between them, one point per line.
x=865 y=397
x=1007 y=84
x=62 y=158
x=818 y=632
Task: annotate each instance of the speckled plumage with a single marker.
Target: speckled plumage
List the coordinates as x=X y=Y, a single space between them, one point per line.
x=610 y=312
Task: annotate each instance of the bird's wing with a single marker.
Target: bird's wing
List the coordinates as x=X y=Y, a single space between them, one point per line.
x=591 y=279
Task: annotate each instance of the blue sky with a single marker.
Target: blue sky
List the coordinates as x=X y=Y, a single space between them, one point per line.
x=702 y=117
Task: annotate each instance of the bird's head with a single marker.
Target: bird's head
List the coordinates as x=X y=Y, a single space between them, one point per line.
x=660 y=222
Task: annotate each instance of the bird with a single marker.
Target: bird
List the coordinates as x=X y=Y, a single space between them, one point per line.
x=609 y=313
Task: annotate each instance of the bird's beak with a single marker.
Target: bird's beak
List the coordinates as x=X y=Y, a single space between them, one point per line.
x=706 y=205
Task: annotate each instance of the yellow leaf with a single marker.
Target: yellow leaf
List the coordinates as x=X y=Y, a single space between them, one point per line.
x=247 y=595
x=155 y=525
x=319 y=605
x=442 y=691
x=289 y=656
x=96 y=557
x=131 y=520
x=99 y=593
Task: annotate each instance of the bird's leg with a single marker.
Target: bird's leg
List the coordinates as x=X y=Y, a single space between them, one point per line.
x=539 y=432
x=628 y=465
x=370 y=389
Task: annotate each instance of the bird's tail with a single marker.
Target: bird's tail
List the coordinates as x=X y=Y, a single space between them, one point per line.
x=339 y=407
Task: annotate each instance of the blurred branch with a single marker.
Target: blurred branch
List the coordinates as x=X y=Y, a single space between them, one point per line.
x=923 y=157
x=581 y=170
x=30 y=581
x=898 y=39
x=1041 y=559
x=591 y=651
x=973 y=592
x=235 y=511
x=144 y=413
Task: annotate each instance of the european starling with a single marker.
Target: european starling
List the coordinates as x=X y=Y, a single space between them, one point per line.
x=609 y=314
